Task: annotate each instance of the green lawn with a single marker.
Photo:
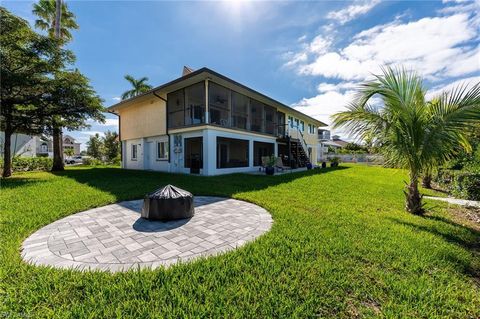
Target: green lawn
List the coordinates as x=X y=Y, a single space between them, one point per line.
x=340 y=247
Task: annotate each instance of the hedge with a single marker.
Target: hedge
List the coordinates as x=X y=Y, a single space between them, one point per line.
x=23 y=164
x=460 y=184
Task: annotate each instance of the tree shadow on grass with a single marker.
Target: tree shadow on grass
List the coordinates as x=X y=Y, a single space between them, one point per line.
x=134 y=184
x=452 y=232
x=15 y=182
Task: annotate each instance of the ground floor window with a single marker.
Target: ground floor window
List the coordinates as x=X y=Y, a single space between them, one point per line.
x=134 y=151
x=194 y=152
x=261 y=149
x=232 y=152
x=162 y=150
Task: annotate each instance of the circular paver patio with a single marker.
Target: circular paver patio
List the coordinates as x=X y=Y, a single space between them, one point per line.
x=115 y=238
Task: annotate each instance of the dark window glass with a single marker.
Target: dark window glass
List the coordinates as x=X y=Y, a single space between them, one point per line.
x=232 y=152
x=219 y=104
x=260 y=150
x=239 y=110
x=269 y=119
x=256 y=116
x=134 y=151
x=176 y=107
x=195 y=104
x=194 y=152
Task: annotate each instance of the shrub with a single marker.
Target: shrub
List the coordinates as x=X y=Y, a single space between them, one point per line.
x=467 y=186
x=89 y=161
x=24 y=164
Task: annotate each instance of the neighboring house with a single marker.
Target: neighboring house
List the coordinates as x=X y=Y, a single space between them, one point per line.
x=325 y=141
x=33 y=145
x=27 y=145
x=70 y=143
x=206 y=123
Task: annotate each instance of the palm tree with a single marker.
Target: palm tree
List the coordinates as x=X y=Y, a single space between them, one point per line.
x=413 y=133
x=45 y=10
x=54 y=17
x=139 y=86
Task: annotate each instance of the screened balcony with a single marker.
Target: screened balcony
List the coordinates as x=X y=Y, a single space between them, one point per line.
x=226 y=108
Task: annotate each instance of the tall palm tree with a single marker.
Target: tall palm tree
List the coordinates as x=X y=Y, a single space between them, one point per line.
x=45 y=10
x=413 y=133
x=55 y=18
x=139 y=86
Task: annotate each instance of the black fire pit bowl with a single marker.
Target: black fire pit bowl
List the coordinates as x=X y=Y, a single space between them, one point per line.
x=168 y=203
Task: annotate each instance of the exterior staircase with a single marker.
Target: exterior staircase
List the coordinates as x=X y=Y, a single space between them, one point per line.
x=299 y=154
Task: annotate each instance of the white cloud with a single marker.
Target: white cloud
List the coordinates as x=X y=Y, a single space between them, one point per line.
x=428 y=45
x=117 y=98
x=437 y=90
x=108 y=122
x=352 y=11
x=92 y=133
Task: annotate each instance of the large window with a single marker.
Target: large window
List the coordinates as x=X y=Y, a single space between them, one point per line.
x=269 y=119
x=256 y=116
x=195 y=104
x=302 y=126
x=232 y=152
x=219 y=104
x=186 y=106
x=162 y=150
x=260 y=150
x=194 y=152
x=290 y=121
x=240 y=110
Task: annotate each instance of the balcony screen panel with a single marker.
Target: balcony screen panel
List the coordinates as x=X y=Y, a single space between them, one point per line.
x=195 y=104
x=281 y=123
x=176 y=107
x=239 y=110
x=256 y=116
x=219 y=104
x=269 y=119
x=261 y=149
x=232 y=152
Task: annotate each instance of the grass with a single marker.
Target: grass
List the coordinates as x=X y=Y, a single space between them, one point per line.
x=341 y=246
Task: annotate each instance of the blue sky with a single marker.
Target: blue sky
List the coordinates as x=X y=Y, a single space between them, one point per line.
x=309 y=55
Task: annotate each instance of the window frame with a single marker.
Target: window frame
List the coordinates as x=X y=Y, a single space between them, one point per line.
x=134 y=152
x=165 y=151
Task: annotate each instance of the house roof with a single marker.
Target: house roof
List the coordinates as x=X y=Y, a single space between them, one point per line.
x=208 y=71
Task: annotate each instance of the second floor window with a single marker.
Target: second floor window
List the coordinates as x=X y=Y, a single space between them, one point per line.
x=302 y=126
x=290 y=121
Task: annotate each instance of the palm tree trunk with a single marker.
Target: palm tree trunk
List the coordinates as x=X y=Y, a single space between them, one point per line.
x=58 y=164
x=413 y=199
x=427 y=181
x=57 y=149
x=7 y=153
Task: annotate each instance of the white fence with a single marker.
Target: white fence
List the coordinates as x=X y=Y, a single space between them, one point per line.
x=371 y=159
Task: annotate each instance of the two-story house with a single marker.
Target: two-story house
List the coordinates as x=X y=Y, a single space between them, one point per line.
x=206 y=123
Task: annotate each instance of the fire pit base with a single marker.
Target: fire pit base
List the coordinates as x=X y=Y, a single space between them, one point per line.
x=168 y=203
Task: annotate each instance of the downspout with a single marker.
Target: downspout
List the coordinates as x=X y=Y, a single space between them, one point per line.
x=119 y=135
x=166 y=122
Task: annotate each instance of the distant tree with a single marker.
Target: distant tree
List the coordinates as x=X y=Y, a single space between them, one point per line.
x=354 y=147
x=112 y=146
x=415 y=134
x=95 y=147
x=139 y=86
x=83 y=153
x=27 y=60
x=69 y=152
x=45 y=10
